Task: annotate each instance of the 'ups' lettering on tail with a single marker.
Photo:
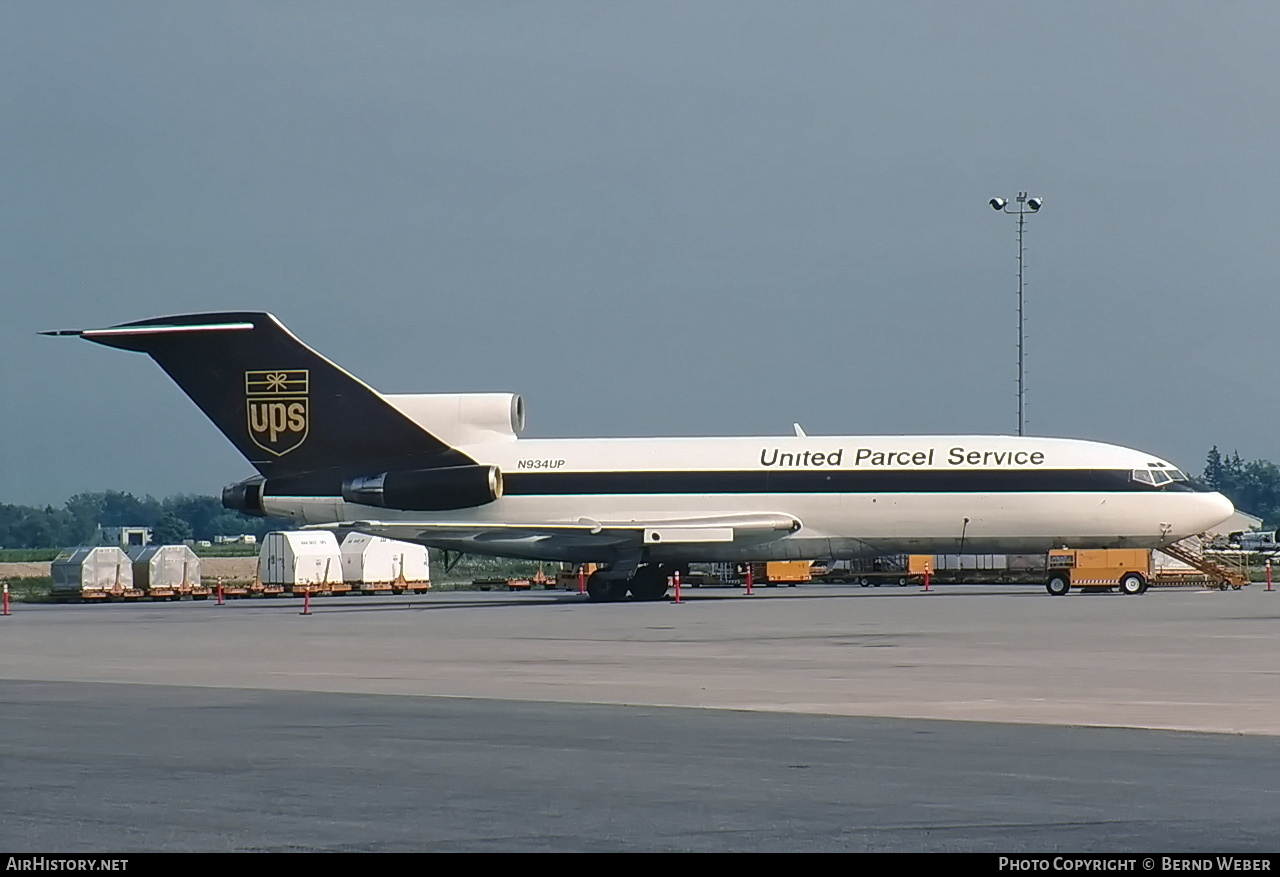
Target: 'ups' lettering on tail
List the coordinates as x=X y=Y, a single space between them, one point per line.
x=277 y=408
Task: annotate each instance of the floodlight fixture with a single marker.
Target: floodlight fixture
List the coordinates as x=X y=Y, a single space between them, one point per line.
x=1025 y=205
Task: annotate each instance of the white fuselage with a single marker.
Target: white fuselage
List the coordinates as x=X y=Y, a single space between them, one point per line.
x=853 y=495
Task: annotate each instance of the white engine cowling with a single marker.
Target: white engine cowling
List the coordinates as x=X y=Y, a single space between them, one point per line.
x=463 y=418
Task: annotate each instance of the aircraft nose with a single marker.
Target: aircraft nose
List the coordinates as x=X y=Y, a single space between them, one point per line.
x=1216 y=508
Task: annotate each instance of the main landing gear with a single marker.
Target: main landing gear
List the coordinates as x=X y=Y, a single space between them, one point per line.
x=647 y=583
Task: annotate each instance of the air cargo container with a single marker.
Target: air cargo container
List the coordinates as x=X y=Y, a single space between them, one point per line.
x=374 y=563
x=301 y=560
x=92 y=574
x=166 y=571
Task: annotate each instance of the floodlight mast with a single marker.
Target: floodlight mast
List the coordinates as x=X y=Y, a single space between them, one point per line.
x=1025 y=205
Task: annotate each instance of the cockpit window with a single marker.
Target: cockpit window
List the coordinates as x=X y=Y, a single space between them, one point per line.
x=1160 y=477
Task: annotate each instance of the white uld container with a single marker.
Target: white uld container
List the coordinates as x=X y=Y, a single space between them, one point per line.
x=374 y=560
x=293 y=557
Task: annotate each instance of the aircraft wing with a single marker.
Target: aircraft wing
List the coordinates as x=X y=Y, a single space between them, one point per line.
x=761 y=527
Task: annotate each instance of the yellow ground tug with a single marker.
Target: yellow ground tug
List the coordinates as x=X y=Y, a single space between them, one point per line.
x=1098 y=569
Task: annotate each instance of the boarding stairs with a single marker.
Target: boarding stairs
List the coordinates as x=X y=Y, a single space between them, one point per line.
x=1220 y=575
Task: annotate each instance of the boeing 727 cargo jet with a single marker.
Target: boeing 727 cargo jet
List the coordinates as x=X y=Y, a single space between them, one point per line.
x=451 y=471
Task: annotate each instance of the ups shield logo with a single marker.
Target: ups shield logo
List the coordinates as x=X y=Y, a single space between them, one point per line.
x=276 y=403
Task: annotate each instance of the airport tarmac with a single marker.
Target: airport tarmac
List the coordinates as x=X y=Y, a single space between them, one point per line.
x=817 y=718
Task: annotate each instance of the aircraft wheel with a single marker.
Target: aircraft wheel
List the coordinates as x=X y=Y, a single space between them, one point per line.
x=604 y=588
x=649 y=583
x=1057 y=585
x=1132 y=583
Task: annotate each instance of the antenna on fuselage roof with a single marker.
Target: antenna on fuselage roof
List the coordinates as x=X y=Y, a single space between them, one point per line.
x=800 y=433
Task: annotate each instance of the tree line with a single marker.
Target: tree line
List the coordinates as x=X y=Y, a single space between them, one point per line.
x=173 y=519
x=1253 y=486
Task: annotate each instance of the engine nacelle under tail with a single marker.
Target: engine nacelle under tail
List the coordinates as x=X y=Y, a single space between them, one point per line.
x=426 y=490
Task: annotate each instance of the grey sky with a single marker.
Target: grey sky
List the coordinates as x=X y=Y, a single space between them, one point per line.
x=647 y=218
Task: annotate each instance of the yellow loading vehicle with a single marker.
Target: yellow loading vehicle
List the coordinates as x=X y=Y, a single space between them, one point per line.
x=919 y=564
x=782 y=572
x=1098 y=569
x=567 y=575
